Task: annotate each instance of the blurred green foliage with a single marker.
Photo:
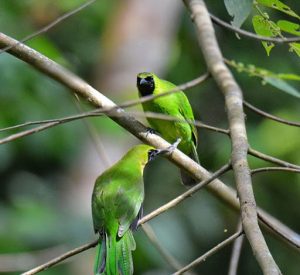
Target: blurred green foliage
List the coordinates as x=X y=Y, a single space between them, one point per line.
x=33 y=207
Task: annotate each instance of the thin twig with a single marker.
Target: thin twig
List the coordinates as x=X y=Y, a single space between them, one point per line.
x=236 y=252
x=182 y=87
x=49 y=26
x=94 y=136
x=49 y=123
x=173 y=263
x=76 y=84
x=271 y=159
x=209 y=253
x=251 y=35
x=265 y=114
x=274 y=169
x=186 y=194
x=61 y=258
x=239 y=142
x=293 y=239
x=15 y=262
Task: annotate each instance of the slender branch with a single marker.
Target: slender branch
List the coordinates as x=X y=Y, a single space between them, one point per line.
x=61 y=258
x=98 y=112
x=284 y=233
x=234 y=105
x=251 y=35
x=75 y=84
x=185 y=195
x=29 y=132
x=209 y=253
x=274 y=169
x=94 y=135
x=49 y=26
x=182 y=87
x=236 y=252
x=271 y=159
x=14 y=262
x=265 y=114
x=173 y=263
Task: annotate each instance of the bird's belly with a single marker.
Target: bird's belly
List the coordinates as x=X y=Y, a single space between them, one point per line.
x=172 y=130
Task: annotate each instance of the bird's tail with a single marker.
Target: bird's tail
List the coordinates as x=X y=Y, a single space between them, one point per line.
x=100 y=260
x=186 y=179
x=114 y=255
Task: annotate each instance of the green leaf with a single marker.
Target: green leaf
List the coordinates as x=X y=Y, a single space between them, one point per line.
x=265 y=27
x=239 y=10
x=282 y=85
x=289 y=76
x=289 y=27
x=278 y=5
x=295 y=47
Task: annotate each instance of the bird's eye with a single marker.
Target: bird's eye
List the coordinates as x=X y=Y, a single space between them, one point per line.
x=149 y=78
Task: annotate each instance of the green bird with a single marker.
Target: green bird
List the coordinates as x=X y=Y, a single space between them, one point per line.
x=116 y=208
x=176 y=105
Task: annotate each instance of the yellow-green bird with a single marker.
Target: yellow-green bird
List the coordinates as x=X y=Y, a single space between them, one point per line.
x=116 y=208
x=176 y=105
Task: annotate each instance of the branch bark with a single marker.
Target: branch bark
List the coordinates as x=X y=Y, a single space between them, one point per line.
x=234 y=104
x=79 y=86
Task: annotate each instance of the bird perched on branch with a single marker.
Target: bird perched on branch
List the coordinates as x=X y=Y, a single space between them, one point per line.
x=175 y=105
x=116 y=208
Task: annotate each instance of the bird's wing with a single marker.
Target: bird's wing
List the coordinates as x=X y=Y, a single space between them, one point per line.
x=130 y=203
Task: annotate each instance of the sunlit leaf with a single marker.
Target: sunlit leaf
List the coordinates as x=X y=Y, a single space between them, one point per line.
x=239 y=10
x=265 y=27
x=278 y=5
x=282 y=85
x=289 y=27
x=289 y=76
x=295 y=47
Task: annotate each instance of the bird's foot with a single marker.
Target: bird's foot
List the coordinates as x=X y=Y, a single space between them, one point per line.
x=174 y=146
x=150 y=131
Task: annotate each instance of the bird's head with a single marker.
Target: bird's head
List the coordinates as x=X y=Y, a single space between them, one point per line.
x=143 y=153
x=146 y=83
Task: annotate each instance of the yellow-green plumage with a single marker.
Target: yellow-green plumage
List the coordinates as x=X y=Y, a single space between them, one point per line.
x=116 y=204
x=176 y=105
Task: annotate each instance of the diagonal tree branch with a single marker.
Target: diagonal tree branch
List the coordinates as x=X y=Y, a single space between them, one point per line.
x=234 y=104
x=61 y=258
x=209 y=253
x=79 y=86
x=226 y=25
x=51 y=25
x=274 y=160
x=236 y=252
x=267 y=115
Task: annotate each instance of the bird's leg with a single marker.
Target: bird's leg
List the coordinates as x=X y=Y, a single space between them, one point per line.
x=167 y=151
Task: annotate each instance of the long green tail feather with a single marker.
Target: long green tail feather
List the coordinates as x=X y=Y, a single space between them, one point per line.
x=114 y=257
x=125 y=245
x=100 y=260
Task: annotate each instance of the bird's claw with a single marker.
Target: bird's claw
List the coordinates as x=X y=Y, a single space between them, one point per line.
x=150 y=131
x=168 y=151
